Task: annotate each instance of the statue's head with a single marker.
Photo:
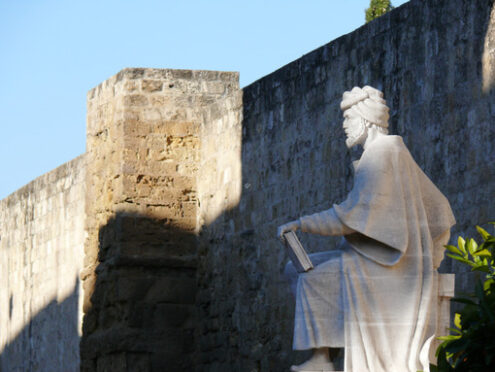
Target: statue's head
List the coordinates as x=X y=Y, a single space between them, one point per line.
x=364 y=110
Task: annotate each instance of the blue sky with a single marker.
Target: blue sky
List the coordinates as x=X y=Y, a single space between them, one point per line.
x=53 y=52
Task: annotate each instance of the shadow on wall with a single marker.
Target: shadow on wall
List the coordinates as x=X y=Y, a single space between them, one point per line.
x=168 y=300
x=143 y=306
x=49 y=341
x=434 y=61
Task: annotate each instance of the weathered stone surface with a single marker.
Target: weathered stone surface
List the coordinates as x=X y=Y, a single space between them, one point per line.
x=427 y=57
x=41 y=253
x=143 y=211
x=186 y=178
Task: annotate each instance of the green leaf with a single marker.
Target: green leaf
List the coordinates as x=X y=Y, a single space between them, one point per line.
x=461 y=243
x=487 y=284
x=471 y=246
x=483 y=252
x=455 y=331
x=474 y=245
x=483 y=232
x=482 y=268
x=457 y=320
x=471 y=344
x=453 y=249
x=449 y=338
x=461 y=259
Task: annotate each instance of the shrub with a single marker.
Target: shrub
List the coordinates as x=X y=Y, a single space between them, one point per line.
x=377 y=8
x=471 y=347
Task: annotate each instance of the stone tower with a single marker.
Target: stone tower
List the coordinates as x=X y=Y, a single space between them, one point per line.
x=163 y=159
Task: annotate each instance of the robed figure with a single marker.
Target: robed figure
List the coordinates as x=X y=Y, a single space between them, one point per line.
x=375 y=295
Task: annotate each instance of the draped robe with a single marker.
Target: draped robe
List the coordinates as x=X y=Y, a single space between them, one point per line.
x=375 y=295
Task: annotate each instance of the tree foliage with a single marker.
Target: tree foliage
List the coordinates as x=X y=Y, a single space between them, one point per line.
x=377 y=8
x=471 y=347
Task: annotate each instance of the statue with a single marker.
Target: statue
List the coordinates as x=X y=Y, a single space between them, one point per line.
x=374 y=295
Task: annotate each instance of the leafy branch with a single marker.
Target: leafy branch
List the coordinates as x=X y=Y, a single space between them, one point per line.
x=471 y=346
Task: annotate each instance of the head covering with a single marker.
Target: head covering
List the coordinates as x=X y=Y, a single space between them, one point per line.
x=368 y=102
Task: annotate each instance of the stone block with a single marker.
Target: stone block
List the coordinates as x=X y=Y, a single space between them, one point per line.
x=173 y=316
x=138 y=362
x=111 y=362
x=174 y=290
x=133 y=100
x=151 y=85
x=140 y=315
x=132 y=288
x=167 y=362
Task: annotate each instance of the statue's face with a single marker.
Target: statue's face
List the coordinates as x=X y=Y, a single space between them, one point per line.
x=354 y=128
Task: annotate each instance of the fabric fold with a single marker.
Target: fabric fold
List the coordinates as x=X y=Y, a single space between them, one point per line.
x=374 y=295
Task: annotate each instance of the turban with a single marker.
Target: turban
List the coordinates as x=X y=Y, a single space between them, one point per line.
x=368 y=102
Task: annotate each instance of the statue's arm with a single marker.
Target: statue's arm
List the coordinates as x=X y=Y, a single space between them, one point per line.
x=324 y=223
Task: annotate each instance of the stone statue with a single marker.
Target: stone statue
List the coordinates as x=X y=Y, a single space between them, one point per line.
x=374 y=295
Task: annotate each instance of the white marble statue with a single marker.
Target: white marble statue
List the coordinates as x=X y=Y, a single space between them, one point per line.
x=374 y=295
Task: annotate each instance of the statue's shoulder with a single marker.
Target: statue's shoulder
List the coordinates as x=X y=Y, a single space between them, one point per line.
x=390 y=143
x=383 y=150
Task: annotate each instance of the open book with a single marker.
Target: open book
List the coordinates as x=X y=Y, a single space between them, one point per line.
x=297 y=254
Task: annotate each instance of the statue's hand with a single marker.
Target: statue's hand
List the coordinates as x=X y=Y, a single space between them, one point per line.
x=289 y=226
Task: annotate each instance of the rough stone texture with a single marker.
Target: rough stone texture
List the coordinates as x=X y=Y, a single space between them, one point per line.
x=187 y=178
x=152 y=153
x=41 y=253
x=434 y=61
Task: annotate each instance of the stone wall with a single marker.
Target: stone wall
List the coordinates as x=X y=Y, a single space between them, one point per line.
x=186 y=179
x=434 y=62
x=151 y=159
x=41 y=253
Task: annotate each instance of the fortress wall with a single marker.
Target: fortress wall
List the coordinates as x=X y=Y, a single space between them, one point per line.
x=147 y=134
x=434 y=62
x=219 y=192
x=41 y=253
x=186 y=179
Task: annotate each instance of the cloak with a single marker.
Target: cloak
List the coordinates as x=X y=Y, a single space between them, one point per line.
x=375 y=294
